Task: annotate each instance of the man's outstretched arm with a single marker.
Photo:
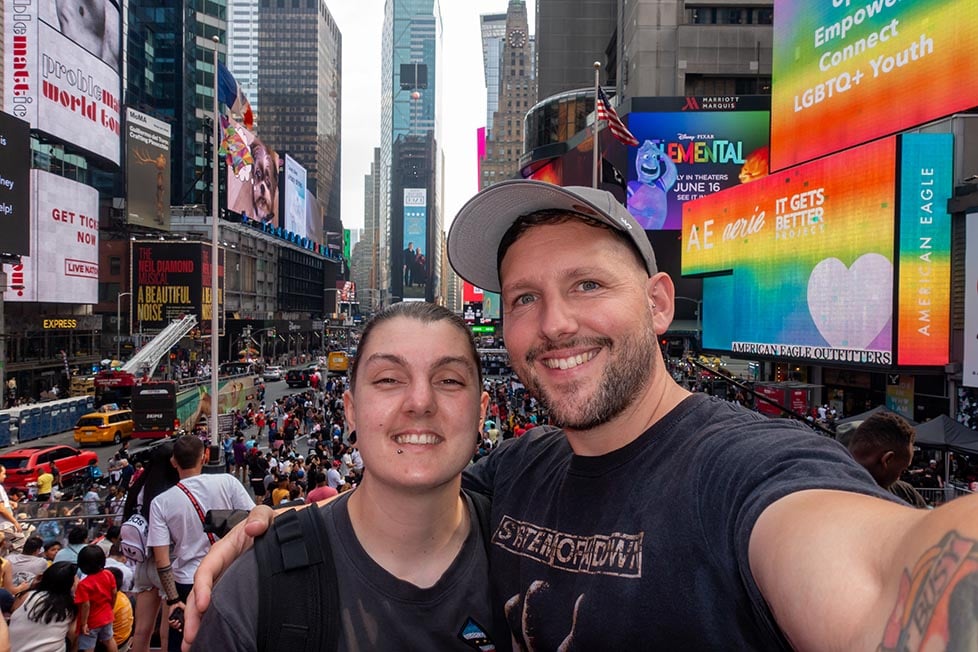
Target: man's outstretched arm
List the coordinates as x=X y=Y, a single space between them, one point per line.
x=843 y=571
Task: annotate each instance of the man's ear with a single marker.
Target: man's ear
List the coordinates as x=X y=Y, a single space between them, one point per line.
x=661 y=300
x=886 y=459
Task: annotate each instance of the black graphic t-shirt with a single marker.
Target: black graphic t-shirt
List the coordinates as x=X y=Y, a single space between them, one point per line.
x=646 y=548
x=377 y=610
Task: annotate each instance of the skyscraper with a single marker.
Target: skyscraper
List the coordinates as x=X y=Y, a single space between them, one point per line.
x=517 y=92
x=493 y=27
x=243 y=47
x=409 y=84
x=571 y=36
x=299 y=89
x=170 y=74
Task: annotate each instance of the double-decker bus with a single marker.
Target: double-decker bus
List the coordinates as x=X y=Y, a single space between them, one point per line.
x=154 y=409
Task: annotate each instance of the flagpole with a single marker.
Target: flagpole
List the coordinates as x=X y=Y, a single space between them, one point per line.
x=214 y=432
x=596 y=154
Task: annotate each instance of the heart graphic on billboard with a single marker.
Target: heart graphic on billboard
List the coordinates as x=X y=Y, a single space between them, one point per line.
x=851 y=305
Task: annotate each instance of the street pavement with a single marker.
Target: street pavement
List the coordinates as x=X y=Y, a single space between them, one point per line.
x=273 y=390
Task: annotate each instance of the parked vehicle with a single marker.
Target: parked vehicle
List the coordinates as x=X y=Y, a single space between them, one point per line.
x=25 y=464
x=107 y=425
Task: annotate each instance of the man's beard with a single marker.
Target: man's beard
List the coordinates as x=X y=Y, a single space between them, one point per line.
x=625 y=377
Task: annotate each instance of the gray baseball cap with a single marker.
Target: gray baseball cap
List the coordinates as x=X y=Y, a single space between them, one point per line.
x=474 y=237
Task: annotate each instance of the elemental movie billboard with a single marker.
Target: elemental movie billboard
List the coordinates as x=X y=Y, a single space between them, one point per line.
x=147 y=170
x=295 y=197
x=15 y=202
x=171 y=280
x=690 y=147
x=61 y=70
x=846 y=72
x=924 y=302
x=253 y=170
x=806 y=258
x=414 y=260
x=63 y=263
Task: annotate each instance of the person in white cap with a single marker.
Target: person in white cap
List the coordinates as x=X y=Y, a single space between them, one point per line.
x=658 y=519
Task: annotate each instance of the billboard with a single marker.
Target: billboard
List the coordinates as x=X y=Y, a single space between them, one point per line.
x=414 y=261
x=848 y=72
x=315 y=224
x=253 y=170
x=15 y=202
x=171 y=280
x=969 y=374
x=63 y=263
x=295 y=194
x=61 y=70
x=924 y=300
x=691 y=147
x=147 y=171
x=806 y=258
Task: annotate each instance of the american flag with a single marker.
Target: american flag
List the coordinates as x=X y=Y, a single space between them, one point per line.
x=618 y=128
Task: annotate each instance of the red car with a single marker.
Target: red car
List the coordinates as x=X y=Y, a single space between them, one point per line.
x=24 y=465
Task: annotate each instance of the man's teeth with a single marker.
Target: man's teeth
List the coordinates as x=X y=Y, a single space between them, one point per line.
x=569 y=363
x=416 y=439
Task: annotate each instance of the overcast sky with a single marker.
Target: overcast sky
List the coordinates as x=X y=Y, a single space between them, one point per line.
x=463 y=102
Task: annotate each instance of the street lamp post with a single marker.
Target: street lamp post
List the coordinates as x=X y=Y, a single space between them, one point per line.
x=118 y=323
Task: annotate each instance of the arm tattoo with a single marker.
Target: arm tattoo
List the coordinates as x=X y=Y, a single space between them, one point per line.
x=937 y=607
x=168 y=583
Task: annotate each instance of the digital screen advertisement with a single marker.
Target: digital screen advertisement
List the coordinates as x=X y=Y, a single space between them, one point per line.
x=575 y=166
x=924 y=301
x=63 y=263
x=848 y=72
x=171 y=280
x=61 y=71
x=414 y=261
x=253 y=171
x=686 y=154
x=15 y=196
x=295 y=197
x=969 y=374
x=147 y=171
x=804 y=258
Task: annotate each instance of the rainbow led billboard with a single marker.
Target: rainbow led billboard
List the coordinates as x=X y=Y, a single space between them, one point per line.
x=849 y=71
x=690 y=147
x=924 y=303
x=805 y=258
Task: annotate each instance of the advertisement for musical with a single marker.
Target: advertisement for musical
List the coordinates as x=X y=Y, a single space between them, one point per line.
x=63 y=263
x=171 y=280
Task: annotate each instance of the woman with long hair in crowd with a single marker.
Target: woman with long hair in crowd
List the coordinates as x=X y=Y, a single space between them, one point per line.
x=158 y=476
x=46 y=614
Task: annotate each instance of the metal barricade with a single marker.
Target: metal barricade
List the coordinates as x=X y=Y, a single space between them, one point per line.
x=935 y=497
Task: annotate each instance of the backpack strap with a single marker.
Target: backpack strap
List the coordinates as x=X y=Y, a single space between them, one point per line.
x=294 y=558
x=482 y=508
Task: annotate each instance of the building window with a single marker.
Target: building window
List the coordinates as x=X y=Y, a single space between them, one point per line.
x=115 y=265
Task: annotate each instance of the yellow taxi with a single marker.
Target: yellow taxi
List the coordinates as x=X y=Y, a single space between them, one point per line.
x=106 y=425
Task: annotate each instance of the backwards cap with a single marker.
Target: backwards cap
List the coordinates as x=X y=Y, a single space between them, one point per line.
x=478 y=229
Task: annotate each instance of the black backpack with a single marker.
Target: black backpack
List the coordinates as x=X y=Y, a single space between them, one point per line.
x=295 y=558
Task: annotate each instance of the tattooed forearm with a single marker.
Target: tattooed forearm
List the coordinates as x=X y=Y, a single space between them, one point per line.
x=937 y=608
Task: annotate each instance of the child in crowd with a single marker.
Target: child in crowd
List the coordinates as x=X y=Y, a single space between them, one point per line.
x=95 y=597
